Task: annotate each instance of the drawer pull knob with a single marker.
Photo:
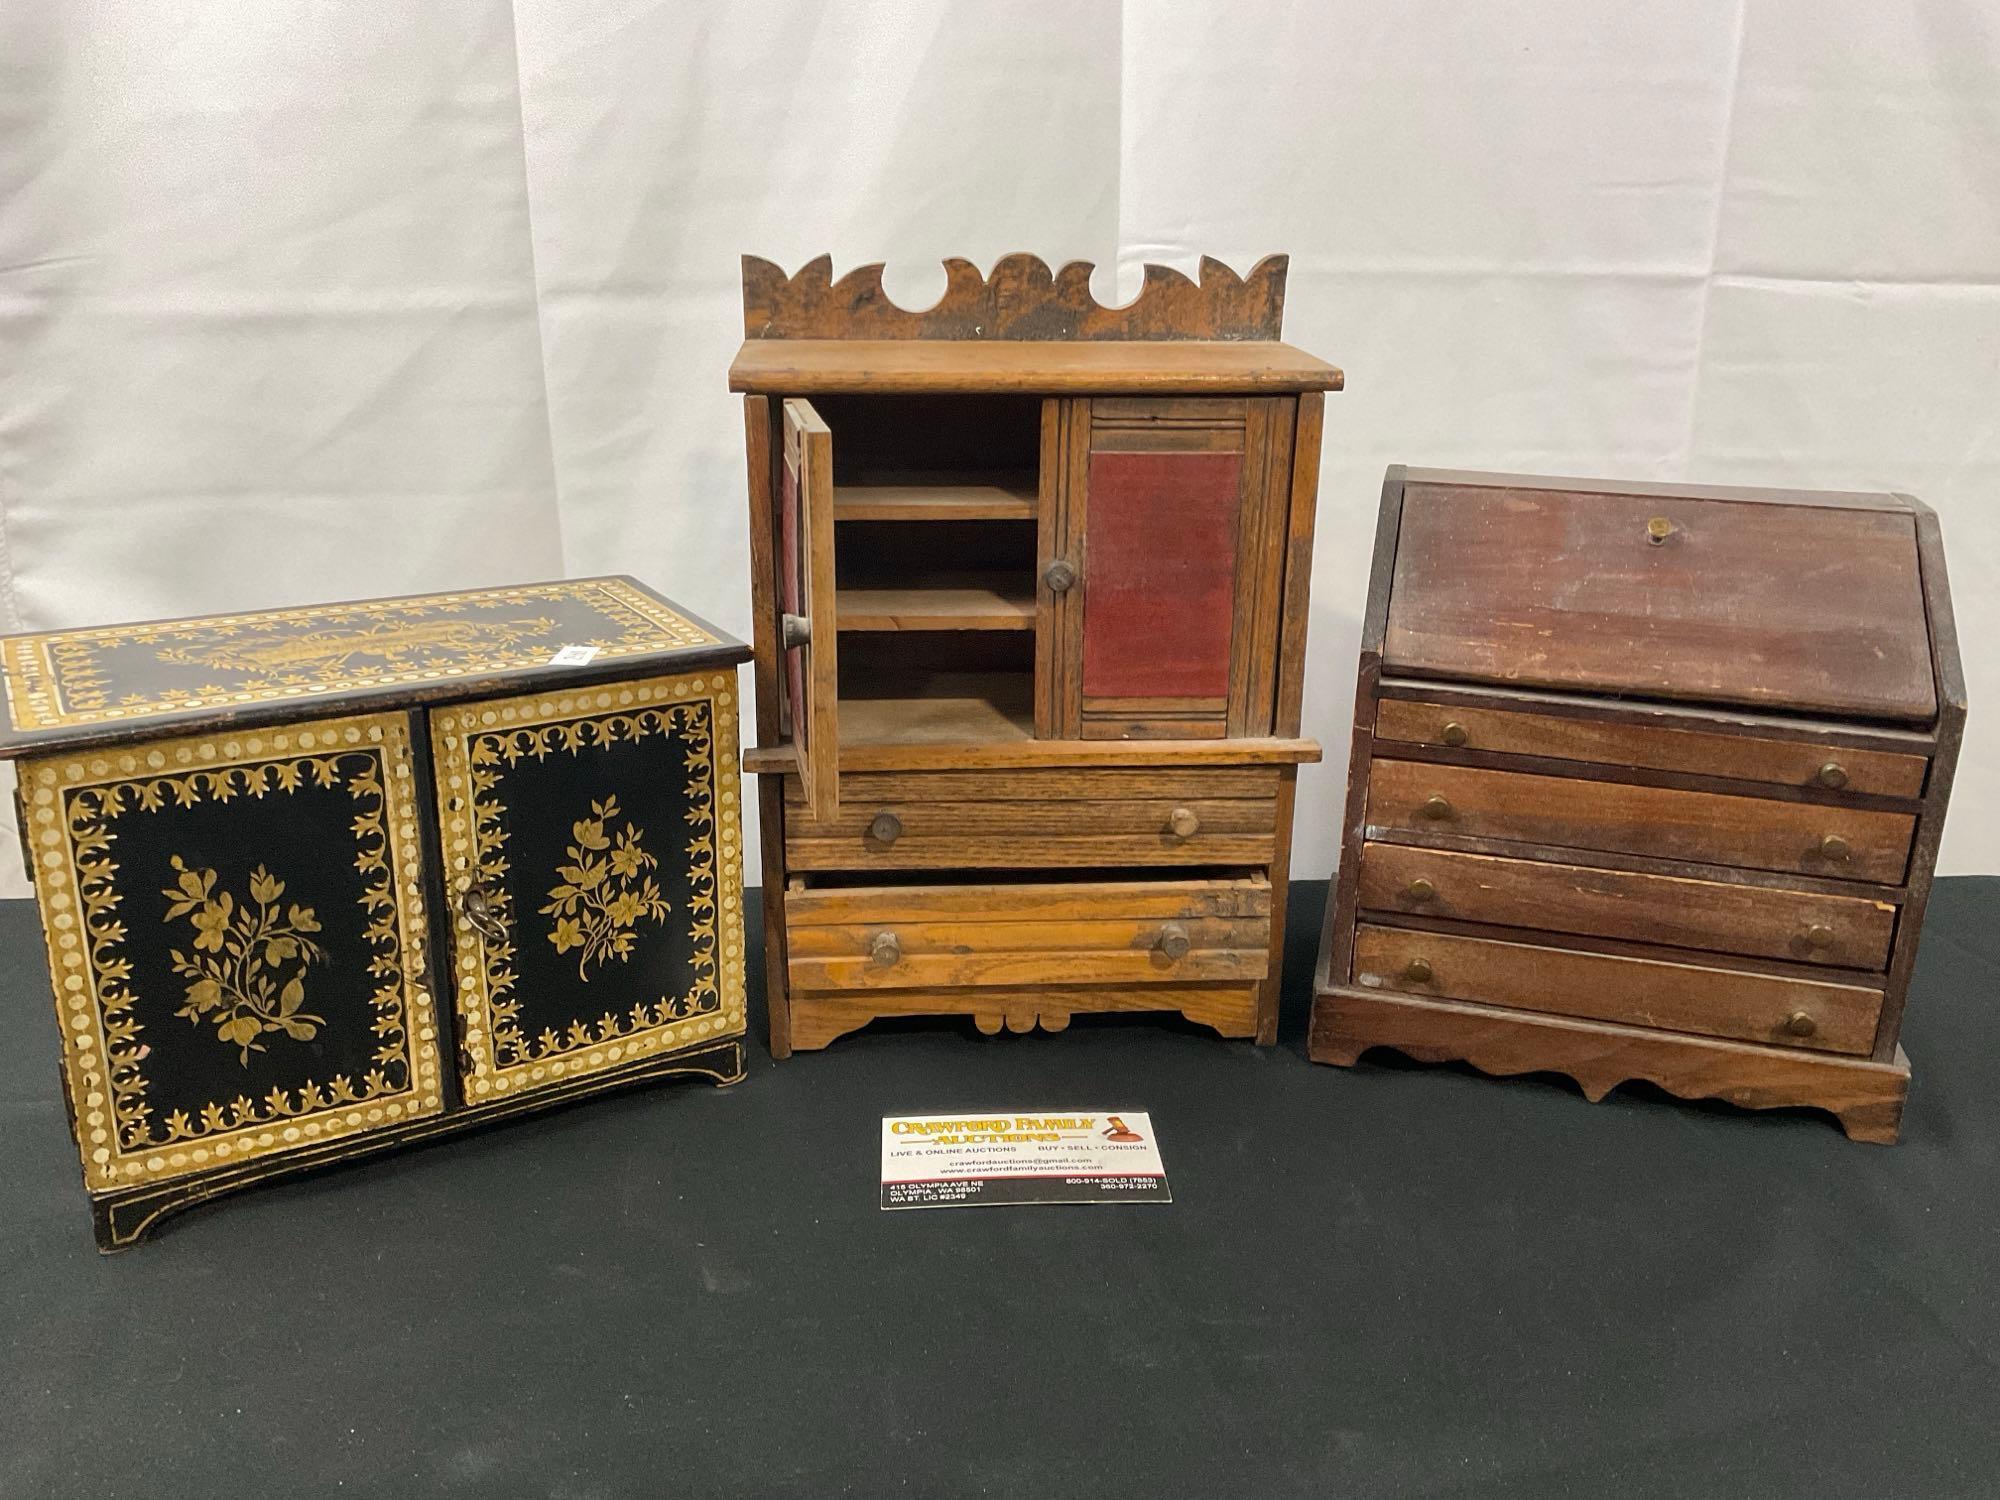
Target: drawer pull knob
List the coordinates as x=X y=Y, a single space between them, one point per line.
x=1418 y=971
x=1420 y=889
x=885 y=951
x=1833 y=774
x=1833 y=846
x=1174 y=941
x=1819 y=936
x=885 y=828
x=1060 y=576
x=1658 y=530
x=795 y=630
x=1182 y=822
x=1436 y=807
x=1454 y=734
x=1798 y=1023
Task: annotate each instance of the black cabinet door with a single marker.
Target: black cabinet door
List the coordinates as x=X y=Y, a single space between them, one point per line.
x=593 y=848
x=236 y=933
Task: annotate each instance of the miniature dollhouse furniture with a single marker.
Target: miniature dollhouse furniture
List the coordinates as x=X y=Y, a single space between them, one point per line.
x=1030 y=580
x=1647 y=783
x=265 y=845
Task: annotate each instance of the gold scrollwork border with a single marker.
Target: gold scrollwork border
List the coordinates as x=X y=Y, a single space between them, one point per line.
x=57 y=681
x=470 y=745
x=72 y=800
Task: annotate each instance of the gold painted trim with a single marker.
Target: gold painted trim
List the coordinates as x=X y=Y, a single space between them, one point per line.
x=72 y=801
x=469 y=745
x=56 y=681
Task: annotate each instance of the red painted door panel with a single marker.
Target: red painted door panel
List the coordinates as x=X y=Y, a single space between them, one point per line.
x=1160 y=574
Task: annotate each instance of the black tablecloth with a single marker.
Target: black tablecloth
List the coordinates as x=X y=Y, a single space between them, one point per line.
x=1388 y=1280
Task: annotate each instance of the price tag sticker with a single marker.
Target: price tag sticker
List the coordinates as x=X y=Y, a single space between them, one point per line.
x=574 y=656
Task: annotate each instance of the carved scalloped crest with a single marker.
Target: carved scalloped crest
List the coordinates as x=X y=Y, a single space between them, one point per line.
x=1022 y=299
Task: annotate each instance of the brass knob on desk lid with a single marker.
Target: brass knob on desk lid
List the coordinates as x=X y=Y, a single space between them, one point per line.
x=795 y=630
x=1453 y=734
x=1183 y=823
x=1819 y=936
x=1833 y=774
x=885 y=950
x=1658 y=530
x=1060 y=576
x=1174 y=941
x=1436 y=808
x=1418 y=971
x=1833 y=846
x=1420 y=889
x=1798 y=1023
x=885 y=828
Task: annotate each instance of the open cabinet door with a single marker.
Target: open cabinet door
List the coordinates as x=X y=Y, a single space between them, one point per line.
x=810 y=630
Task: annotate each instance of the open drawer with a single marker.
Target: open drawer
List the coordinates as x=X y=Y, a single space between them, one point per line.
x=951 y=936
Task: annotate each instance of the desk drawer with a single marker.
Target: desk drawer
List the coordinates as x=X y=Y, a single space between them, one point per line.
x=1803 y=926
x=933 y=820
x=1819 y=1015
x=1655 y=748
x=1044 y=933
x=1704 y=827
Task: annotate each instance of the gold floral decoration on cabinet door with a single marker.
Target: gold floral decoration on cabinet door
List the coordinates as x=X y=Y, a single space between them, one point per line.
x=240 y=974
x=604 y=892
x=472 y=747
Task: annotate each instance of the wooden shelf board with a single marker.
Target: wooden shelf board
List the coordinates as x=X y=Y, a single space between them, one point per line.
x=954 y=604
x=968 y=708
x=811 y=367
x=998 y=497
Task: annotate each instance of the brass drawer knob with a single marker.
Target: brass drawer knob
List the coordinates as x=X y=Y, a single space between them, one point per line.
x=1453 y=734
x=1658 y=530
x=1173 y=941
x=1833 y=774
x=1183 y=823
x=1833 y=846
x=1060 y=576
x=795 y=630
x=1819 y=936
x=885 y=828
x=1420 y=889
x=885 y=950
x=1418 y=971
x=1798 y=1023
x=1436 y=808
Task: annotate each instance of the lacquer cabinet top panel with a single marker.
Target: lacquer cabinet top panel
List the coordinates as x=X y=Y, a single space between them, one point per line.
x=75 y=687
x=1796 y=601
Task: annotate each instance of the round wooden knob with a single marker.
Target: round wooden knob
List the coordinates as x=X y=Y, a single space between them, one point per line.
x=1819 y=936
x=1798 y=1023
x=1436 y=807
x=1833 y=774
x=1182 y=822
x=1833 y=846
x=1060 y=576
x=885 y=950
x=1454 y=734
x=1658 y=530
x=1420 y=889
x=885 y=828
x=1173 y=941
x=1418 y=971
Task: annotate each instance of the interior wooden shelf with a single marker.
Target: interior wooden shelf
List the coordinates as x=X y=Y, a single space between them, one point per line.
x=946 y=709
x=971 y=497
x=951 y=602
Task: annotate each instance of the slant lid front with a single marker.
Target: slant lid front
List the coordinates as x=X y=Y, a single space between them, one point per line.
x=123 y=680
x=1763 y=599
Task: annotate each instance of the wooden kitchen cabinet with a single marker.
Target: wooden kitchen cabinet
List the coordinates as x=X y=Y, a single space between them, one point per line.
x=1030 y=579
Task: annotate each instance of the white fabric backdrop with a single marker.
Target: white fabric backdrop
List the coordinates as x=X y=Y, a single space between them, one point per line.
x=302 y=300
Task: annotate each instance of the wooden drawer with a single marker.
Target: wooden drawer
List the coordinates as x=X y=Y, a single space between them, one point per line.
x=948 y=936
x=1805 y=926
x=928 y=820
x=1652 y=747
x=1817 y=1014
x=1704 y=827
